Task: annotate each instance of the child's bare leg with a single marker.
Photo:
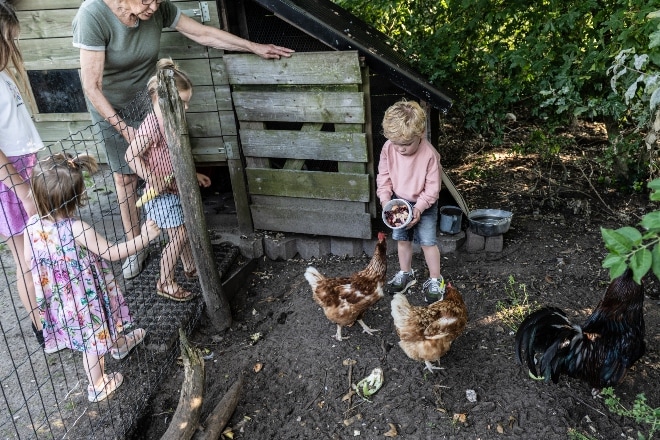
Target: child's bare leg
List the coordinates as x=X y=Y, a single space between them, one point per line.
x=94 y=366
x=405 y=250
x=126 y=185
x=432 y=257
x=24 y=281
x=177 y=240
x=187 y=257
x=100 y=384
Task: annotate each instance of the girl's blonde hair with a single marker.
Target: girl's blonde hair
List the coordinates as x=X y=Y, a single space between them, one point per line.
x=11 y=60
x=58 y=184
x=181 y=79
x=404 y=121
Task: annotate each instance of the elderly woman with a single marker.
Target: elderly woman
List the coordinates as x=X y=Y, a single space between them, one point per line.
x=119 y=42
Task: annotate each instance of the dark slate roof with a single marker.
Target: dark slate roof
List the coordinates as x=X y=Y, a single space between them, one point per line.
x=341 y=30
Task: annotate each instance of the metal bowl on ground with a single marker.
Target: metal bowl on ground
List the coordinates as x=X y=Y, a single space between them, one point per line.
x=489 y=222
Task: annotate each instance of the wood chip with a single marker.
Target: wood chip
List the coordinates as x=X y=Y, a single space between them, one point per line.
x=392 y=432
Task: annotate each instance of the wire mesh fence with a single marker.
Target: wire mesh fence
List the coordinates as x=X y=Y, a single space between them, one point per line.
x=45 y=387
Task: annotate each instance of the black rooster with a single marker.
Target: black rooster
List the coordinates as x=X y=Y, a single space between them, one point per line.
x=599 y=351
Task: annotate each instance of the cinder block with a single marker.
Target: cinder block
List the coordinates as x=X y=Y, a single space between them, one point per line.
x=309 y=247
x=369 y=246
x=346 y=246
x=280 y=248
x=494 y=244
x=474 y=242
x=450 y=243
x=251 y=247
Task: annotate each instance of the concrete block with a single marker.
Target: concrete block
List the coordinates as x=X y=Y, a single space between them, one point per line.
x=280 y=248
x=251 y=247
x=309 y=247
x=450 y=243
x=369 y=246
x=346 y=246
x=392 y=247
x=494 y=244
x=474 y=242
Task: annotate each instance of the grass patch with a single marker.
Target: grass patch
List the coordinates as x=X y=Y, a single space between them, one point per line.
x=517 y=305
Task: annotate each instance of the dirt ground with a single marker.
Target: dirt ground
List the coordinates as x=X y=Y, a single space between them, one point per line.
x=296 y=377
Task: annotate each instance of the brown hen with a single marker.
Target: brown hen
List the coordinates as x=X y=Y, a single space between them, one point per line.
x=426 y=333
x=345 y=299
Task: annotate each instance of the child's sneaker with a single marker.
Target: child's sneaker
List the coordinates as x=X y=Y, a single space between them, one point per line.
x=434 y=289
x=401 y=282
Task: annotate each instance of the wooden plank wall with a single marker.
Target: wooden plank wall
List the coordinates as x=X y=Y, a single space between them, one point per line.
x=322 y=93
x=46 y=43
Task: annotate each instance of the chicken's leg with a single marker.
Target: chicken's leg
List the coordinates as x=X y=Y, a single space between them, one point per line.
x=366 y=329
x=431 y=367
x=337 y=336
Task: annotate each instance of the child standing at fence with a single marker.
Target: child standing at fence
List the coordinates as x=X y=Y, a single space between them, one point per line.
x=148 y=155
x=81 y=305
x=409 y=168
x=19 y=142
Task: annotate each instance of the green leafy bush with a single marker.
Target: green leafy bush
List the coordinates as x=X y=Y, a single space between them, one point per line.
x=640 y=412
x=548 y=61
x=630 y=247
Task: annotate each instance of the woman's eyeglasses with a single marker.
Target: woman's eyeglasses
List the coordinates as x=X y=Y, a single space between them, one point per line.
x=148 y=2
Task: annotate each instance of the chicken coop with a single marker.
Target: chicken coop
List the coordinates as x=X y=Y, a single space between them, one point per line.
x=298 y=139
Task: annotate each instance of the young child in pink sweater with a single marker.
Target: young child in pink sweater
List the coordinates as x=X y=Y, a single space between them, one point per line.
x=409 y=169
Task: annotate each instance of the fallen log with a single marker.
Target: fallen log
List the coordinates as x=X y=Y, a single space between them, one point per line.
x=186 y=418
x=219 y=417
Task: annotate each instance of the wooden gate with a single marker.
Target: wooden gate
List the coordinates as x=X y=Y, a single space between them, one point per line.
x=303 y=128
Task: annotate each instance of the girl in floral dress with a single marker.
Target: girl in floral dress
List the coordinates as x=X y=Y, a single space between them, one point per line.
x=81 y=305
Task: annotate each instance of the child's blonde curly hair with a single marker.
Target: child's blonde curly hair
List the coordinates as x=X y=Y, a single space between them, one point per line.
x=404 y=121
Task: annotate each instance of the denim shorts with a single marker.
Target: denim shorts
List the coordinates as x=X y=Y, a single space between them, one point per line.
x=424 y=232
x=165 y=210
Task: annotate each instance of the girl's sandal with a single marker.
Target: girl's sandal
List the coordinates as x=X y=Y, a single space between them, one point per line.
x=179 y=294
x=109 y=384
x=190 y=274
x=130 y=340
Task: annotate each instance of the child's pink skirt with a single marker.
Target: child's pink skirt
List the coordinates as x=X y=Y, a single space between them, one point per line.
x=12 y=214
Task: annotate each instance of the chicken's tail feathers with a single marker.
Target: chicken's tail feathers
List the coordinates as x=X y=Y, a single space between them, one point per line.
x=313 y=277
x=400 y=309
x=537 y=333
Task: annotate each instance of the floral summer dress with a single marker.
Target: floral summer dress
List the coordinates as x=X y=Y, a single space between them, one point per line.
x=81 y=305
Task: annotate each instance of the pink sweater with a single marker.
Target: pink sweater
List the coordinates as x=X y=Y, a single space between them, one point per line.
x=415 y=178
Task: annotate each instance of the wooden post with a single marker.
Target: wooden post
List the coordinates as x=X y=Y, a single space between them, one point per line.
x=176 y=133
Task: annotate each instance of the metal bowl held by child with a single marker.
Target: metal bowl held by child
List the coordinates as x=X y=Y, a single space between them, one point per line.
x=489 y=222
x=397 y=213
